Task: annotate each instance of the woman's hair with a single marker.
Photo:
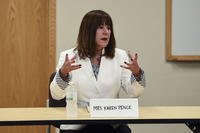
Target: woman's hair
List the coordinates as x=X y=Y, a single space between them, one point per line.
x=86 y=41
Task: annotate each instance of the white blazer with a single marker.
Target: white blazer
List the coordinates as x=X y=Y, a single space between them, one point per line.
x=111 y=78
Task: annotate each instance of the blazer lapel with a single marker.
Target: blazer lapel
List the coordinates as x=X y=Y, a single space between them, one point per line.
x=87 y=68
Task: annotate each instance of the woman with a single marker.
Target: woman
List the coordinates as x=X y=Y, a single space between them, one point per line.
x=100 y=69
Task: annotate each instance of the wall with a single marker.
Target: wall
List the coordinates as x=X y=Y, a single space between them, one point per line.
x=139 y=26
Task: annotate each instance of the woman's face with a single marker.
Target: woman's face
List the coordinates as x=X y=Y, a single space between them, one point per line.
x=102 y=36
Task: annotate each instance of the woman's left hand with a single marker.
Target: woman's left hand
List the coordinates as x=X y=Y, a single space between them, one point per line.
x=132 y=65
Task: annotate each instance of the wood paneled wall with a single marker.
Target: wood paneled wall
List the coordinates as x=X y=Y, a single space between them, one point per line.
x=27 y=55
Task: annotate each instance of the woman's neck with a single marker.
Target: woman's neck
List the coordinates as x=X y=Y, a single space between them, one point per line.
x=97 y=58
x=98 y=52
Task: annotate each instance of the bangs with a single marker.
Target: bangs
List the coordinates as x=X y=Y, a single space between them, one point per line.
x=105 y=20
x=101 y=19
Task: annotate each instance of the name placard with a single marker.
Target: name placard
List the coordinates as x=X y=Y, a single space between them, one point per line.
x=114 y=107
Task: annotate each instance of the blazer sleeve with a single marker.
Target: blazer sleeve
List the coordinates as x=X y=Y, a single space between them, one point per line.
x=56 y=91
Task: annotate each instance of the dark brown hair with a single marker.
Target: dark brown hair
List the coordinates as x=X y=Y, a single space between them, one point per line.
x=86 y=44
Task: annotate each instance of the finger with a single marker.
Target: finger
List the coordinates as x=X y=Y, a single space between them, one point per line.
x=130 y=55
x=66 y=57
x=123 y=66
x=126 y=63
x=74 y=67
x=72 y=61
x=73 y=58
x=136 y=56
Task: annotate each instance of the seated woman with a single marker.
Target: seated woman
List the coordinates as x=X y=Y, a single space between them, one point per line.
x=100 y=69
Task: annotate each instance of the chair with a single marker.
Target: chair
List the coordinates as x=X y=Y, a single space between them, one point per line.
x=194 y=126
x=54 y=103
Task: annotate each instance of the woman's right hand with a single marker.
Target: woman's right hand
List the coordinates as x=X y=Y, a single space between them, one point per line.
x=68 y=65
